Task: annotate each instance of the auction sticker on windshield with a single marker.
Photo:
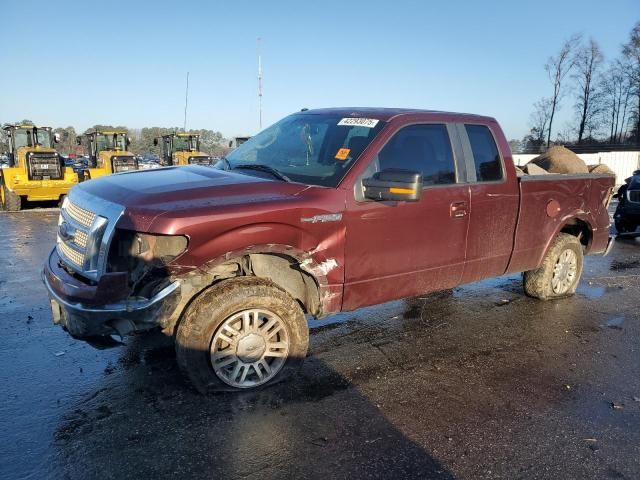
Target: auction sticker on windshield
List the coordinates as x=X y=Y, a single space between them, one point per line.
x=342 y=154
x=359 y=122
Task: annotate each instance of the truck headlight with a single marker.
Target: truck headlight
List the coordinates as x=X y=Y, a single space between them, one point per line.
x=161 y=249
x=133 y=250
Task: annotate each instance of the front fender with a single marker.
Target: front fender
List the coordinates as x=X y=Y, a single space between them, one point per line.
x=321 y=256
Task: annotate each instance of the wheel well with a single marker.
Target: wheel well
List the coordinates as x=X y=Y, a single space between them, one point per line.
x=283 y=270
x=580 y=229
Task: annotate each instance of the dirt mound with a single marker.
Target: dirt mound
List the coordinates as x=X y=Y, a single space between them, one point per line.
x=559 y=159
x=601 y=168
x=533 y=169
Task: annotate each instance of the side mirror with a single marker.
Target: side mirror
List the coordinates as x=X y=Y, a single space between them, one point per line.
x=128 y=142
x=394 y=185
x=56 y=138
x=78 y=140
x=230 y=143
x=155 y=141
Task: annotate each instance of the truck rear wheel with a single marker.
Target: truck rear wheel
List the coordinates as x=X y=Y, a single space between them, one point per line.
x=242 y=333
x=560 y=272
x=9 y=200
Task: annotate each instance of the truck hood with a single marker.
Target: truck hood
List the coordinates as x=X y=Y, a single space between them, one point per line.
x=147 y=194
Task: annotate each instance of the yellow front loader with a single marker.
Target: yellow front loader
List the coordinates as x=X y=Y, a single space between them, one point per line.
x=36 y=172
x=108 y=153
x=182 y=149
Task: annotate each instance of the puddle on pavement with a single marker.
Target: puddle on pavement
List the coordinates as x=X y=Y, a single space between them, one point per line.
x=595 y=291
x=615 y=322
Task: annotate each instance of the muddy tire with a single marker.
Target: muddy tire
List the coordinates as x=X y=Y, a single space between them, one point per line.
x=243 y=333
x=560 y=272
x=9 y=200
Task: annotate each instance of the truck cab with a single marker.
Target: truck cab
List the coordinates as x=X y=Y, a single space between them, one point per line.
x=181 y=149
x=108 y=153
x=35 y=171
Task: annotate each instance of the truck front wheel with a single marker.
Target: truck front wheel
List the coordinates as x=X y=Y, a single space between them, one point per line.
x=560 y=272
x=9 y=200
x=242 y=333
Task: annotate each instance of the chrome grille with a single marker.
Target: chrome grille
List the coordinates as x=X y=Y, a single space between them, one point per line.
x=634 y=195
x=80 y=239
x=74 y=227
x=75 y=257
x=84 y=236
x=80 y=215
x=44 y=167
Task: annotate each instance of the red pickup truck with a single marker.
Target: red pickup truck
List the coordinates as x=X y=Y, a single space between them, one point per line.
x=325 y=211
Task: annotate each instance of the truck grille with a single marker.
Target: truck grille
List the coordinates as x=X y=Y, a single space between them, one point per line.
x=74 y=231
x=634 y=195
x=123 y=163
x=44 y=167
x=80 y=215
x=74 y=256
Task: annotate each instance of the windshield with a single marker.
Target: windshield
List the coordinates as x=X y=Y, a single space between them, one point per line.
x=31 y=137
x=308 y=148
x=184 y=144
x=111 y=141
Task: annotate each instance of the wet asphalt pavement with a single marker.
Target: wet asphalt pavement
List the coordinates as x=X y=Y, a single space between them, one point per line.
x=481 y=382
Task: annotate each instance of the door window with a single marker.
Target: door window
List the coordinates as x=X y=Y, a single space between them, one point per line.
x=421 y=148
x=485 y=153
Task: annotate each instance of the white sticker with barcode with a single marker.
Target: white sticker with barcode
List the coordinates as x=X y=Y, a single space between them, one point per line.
x=359 y=122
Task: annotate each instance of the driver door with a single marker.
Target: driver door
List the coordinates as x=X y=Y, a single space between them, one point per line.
x=400 y=249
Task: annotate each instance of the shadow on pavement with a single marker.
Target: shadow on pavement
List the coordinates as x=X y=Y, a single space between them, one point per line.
x=316 y=425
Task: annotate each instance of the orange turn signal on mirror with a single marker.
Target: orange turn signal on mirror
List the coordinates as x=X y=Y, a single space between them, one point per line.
x=406 y=191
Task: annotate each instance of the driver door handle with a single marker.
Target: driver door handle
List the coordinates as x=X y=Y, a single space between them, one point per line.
x=459 y=209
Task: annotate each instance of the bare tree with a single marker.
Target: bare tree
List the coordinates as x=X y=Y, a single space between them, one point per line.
x=557 y=68
x=616 y=94
x=588 y=60
x=631 y=53
x=539 y=119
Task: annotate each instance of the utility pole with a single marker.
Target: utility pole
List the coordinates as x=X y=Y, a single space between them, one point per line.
x=186 y=101
x=259 y=86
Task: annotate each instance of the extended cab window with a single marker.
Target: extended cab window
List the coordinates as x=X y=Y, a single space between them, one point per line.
x=421 y=148
x=485 y=153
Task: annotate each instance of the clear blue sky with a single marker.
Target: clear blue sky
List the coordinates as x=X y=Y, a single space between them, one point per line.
x=82 y=63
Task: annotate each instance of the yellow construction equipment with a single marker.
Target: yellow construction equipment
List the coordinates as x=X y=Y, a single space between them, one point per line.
x=182 y=149
x=108 y=153
x=36 y=172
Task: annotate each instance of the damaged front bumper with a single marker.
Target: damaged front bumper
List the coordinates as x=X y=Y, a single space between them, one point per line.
x=84 y=321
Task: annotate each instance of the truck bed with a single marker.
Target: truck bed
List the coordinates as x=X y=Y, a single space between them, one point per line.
x=548 y=201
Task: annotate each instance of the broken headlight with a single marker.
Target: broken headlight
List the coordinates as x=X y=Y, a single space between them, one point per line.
x=131 y=251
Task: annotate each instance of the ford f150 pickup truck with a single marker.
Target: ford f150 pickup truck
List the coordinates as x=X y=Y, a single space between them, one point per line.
x=325 y=211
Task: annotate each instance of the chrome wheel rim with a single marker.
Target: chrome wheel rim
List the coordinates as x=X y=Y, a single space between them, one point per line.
x=249 y=348
x=564 y=272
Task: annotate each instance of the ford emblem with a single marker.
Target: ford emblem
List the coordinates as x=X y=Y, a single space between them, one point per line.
x=66 y=231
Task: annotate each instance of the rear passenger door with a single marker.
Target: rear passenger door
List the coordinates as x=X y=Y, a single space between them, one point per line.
x=493 y=209
x=399 y=249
